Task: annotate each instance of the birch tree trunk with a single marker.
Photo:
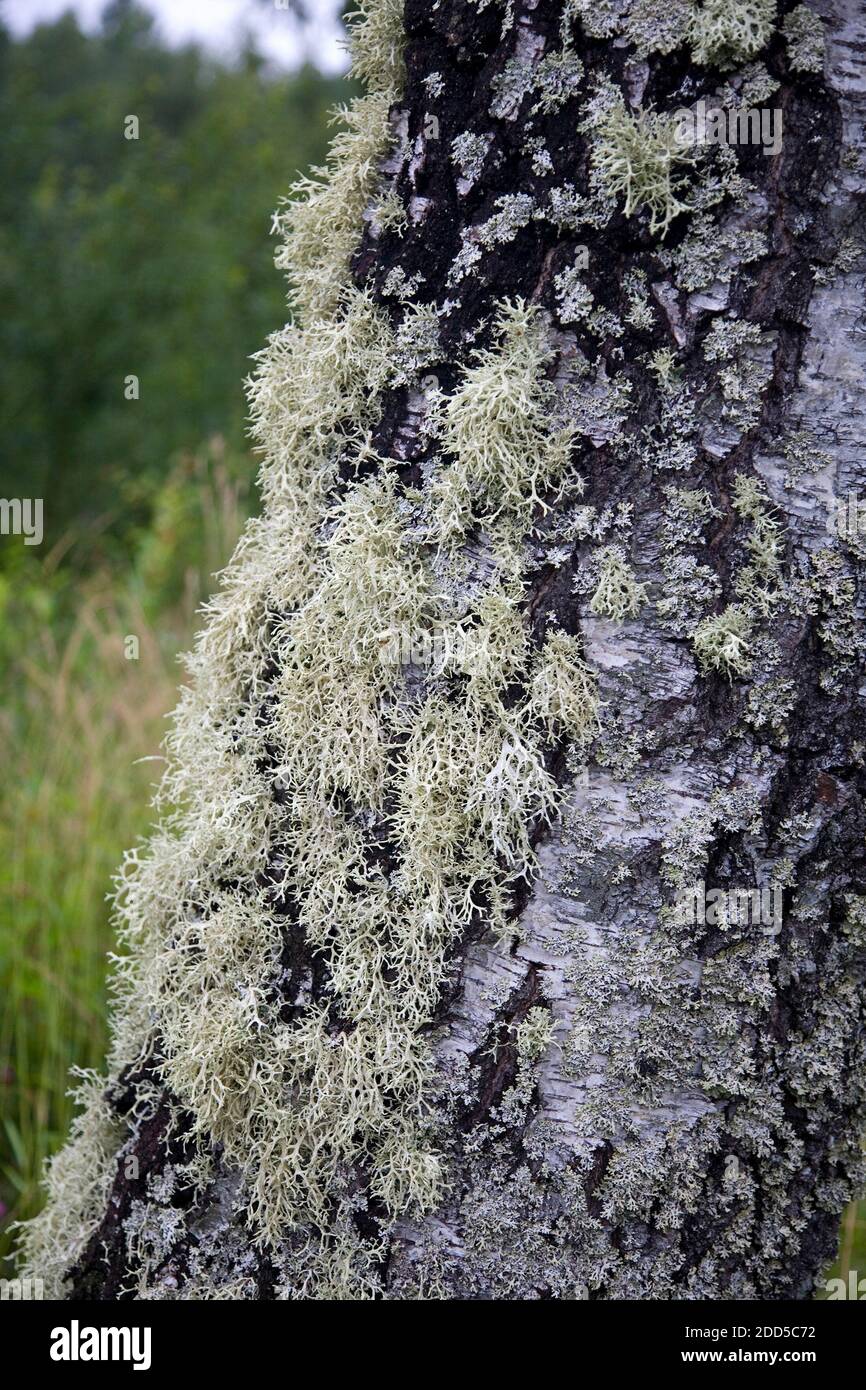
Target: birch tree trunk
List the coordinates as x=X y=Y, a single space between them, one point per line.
x=548 y=645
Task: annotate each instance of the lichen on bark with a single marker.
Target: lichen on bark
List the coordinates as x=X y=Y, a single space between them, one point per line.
x=409 y=1007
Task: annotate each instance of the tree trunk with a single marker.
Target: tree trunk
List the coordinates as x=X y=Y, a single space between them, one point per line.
x=510 y=939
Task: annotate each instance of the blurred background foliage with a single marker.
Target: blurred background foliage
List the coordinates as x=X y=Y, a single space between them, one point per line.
x=146 y=257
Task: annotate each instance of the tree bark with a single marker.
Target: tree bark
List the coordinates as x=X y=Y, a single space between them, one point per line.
x=622 y=1102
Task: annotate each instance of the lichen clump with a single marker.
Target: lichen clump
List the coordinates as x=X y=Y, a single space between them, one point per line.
x=721 y=642
x=618 y=595
x=727 y=32
x=643 y=158
x=804 y=35
x=497 y=428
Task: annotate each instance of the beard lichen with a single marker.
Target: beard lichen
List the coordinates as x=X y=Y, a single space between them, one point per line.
x=507 y=456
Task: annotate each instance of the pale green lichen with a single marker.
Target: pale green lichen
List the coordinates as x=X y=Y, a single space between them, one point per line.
x=203 y=943
x=752 y=86
x=757 y=583
x=805 y=456
x=617 y=595
x=655 y=28
x=377 y=38
x=804 y=35
x=642 y=158
x=389 y=214
x=722 y=642
x=332 y=196
x=564 y=693
x=80 y=1177
x=846 y=256
x=604 y=323
x=533 y=1034
x=639 y=312
x=724 y=33
x=497 y=428
x=663 y=365
x=316 y=591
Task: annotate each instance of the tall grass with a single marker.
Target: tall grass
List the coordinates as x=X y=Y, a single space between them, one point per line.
x=83 y=715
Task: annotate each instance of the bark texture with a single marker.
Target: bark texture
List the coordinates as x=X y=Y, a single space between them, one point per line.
x=619 y=1102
